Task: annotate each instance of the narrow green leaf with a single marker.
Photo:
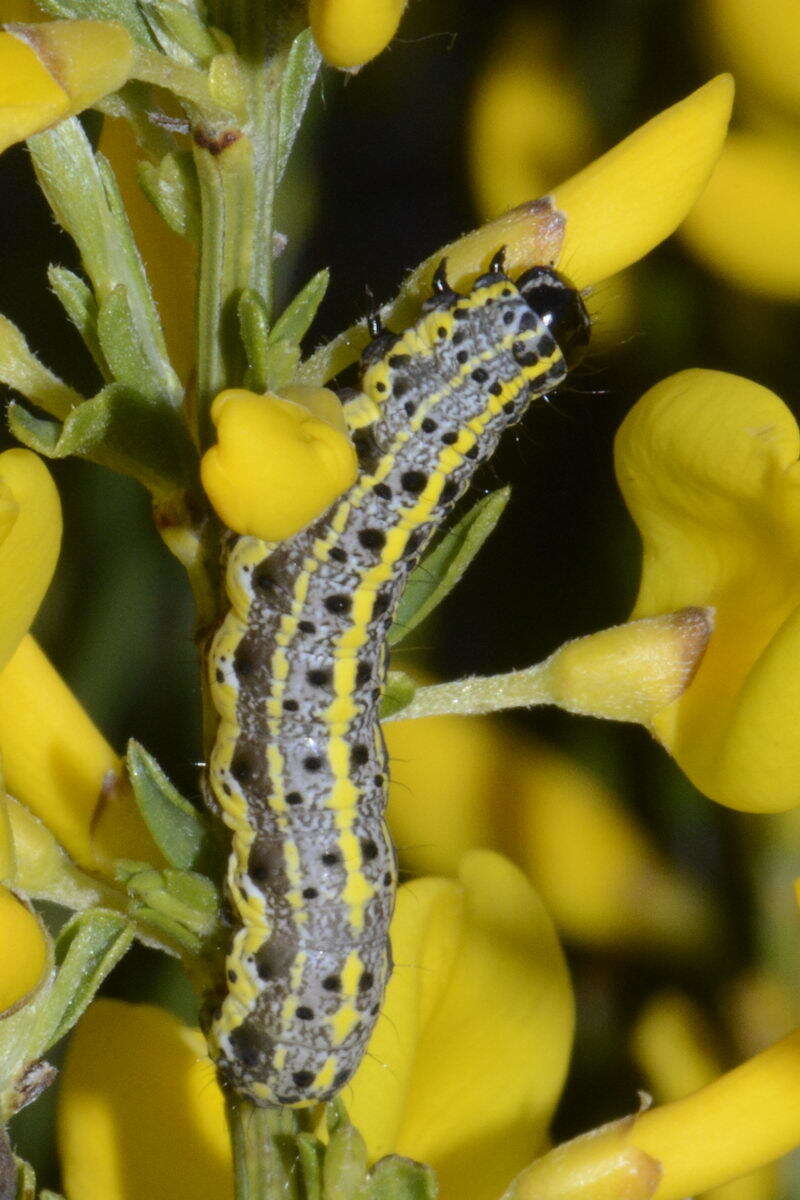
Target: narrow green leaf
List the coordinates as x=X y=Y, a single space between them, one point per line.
x=177 y=27
x=88 y=947
x=127 y=358
x=21 y=370
x=302 y=65
x=443 y=566
x=178 y=829
x=254 y=328
x=396 y=1178
x=118 y=429
x=295 y=320
x=173 y=190
x=80 y=306
x=399 y=692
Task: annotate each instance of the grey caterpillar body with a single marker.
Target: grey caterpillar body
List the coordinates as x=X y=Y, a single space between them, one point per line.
x=298 y=668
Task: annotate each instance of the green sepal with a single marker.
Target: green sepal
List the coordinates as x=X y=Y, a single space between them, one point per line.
x=396 y=1178
x=281 y=364
x=172 y=189
x=254 y=330
x=344 y=1168
x=442 y=567
x=183 y=904
x=120 y=429
x=80 y=305
x=179 y=30
x=179 y=830
x=399 y=692
x=299 y=73
x=88 y=947
x=310 y=1152
x=295 y=320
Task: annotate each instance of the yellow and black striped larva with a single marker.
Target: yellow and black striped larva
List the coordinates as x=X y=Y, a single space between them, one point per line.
x=299 y=768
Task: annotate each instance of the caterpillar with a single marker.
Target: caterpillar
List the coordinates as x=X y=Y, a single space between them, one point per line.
x=297 y=669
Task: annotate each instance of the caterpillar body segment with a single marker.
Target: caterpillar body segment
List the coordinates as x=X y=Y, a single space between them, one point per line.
x=298 y=667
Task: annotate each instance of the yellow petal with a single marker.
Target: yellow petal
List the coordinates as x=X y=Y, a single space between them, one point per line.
x=351 y=32
x=29 y=549
x=626 y=202
x=746 y=1118
x=58 y=764
x=140 y=1114
x=470 y=1054
x=53 y=69
x=707 y=463
x=678 y=1054
x=30 y=98
x=744 y=227
x=25 y=958
x=275 y=466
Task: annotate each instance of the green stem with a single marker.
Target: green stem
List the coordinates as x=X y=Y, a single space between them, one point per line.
x=225 y=175
x=261 y=1139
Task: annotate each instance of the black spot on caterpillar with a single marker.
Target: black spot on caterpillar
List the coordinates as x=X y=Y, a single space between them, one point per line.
x=297 y=668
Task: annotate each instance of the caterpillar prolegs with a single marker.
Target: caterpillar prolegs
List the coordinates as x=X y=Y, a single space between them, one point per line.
x=298 y=667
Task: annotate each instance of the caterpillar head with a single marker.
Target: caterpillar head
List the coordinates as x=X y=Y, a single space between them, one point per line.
x=561 y=308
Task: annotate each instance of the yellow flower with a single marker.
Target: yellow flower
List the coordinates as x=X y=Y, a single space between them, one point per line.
x=54 y=69
x=53 y=757
x=25 y=958
x=351 y=32
x=707 y=463
x=279 y=461
x=463 y=1071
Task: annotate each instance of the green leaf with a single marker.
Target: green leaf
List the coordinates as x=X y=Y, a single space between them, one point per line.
x=398 y=693
x=173 y=190
x=177 y=27
x=396 y=1178
x=302 y=65
x=295 y=320
x=182 y=904
x=120 y=429
x=127 y=357
x=181 y=832
x=80 y=306
x=88 y=947
x=254 y=329
x=443 y=566
x=21 y=370
x=83 y=194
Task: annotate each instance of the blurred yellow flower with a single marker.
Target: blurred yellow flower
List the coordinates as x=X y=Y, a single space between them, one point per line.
x=463 y=1071
x=25 y=958
x=279 y=461
x=707 y=463
x=351 y=32
x=459 y=783
x=53 y=757
x=54 y=69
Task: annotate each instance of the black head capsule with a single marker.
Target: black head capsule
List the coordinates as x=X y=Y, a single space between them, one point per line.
x=561 y=308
